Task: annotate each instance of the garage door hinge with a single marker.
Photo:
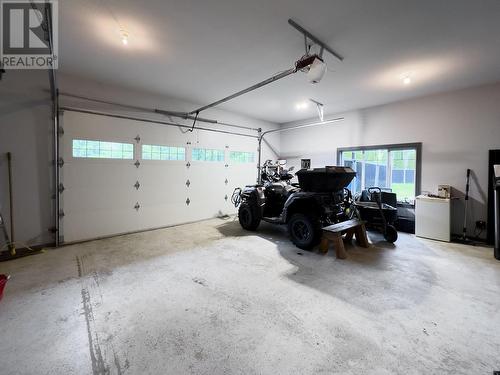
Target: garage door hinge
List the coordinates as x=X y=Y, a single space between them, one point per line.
x=137 y=163
x=226 y=198
x=137 y=185
x=227 y=146
x=188 y=201
x=61 y=213
x=227 y=165
x=61 y=188
x=188 y=164
x=226 y=182
x=60 y=162
x=188 y=142
x=137 y=138
x=137 y=206
x=188 y=183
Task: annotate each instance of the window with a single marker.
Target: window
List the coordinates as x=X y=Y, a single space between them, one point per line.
x=241 y=156
x=202 y=154
x=154 y=152
x=305 y=163
x=392 y=167
x=102 y=150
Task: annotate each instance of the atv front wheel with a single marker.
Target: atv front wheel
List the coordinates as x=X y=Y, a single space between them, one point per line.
x=248 y=216
x=304 y=231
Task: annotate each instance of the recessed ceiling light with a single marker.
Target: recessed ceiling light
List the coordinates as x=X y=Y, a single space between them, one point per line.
x=406 y=78
x=124 y=36
x=301 y=106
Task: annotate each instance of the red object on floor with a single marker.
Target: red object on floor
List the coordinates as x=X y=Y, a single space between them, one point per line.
x=3 y=282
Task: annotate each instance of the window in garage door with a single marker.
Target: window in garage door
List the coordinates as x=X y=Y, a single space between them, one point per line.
x=156 y=152
x=82 y=148
x=203 y=154
x=241 y=157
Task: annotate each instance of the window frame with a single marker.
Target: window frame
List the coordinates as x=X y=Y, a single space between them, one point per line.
x=393 y=147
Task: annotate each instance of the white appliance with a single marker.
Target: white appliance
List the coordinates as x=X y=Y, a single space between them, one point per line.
x=433 y=218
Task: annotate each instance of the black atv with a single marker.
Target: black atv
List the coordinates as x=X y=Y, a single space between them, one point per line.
x=319 y=199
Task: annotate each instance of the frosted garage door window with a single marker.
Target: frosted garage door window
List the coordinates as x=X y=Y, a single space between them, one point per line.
x=155 y=152
x=241 y=157
x=102 y=150
x=203 y=154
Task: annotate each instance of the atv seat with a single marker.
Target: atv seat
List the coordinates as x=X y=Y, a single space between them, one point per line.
x=333 y=233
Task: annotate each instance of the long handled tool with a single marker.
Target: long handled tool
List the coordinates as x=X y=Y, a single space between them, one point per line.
x=4 y=232
x=9 y=240
x=464 y=230
x=12 y=247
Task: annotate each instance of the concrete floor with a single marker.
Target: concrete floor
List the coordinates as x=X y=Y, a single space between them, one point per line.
x=208 y=298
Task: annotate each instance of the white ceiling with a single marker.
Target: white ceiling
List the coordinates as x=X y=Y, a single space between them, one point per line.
x=203 y=50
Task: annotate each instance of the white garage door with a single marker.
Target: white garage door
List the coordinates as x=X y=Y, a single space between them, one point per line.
x=122 y=175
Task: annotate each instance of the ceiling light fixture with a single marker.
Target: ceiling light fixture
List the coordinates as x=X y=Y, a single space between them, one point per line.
x=301 y=106
x=124 y=36
x=406 y=78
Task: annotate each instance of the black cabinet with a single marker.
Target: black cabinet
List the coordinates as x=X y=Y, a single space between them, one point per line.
x=493 y=159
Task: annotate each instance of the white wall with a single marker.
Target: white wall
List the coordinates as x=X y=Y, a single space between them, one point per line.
x=456 y=130
x=26 y=131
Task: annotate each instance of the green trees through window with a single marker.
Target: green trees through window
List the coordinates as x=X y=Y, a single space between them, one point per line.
x=389 y=167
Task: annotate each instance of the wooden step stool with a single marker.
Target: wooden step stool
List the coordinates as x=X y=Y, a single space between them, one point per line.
x=333 y=233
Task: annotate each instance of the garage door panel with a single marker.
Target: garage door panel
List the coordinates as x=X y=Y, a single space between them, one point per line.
x=161 y=215
x=99 y=175
x=83 y=199
x=163 y=195
x=207 y=189
x=86 y=225
x=163 y=183
x=242 y=175
x=210 y=177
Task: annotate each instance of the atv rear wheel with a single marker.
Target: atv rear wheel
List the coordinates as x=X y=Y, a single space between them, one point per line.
x=248 y=216
x=304 y=231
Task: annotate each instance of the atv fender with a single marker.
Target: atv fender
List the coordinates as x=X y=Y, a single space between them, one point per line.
x=254 y=195
x=301 y=202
